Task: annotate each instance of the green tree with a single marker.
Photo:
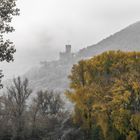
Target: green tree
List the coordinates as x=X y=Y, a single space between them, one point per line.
x=7 y=11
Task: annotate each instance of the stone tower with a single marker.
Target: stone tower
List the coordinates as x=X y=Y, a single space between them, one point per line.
x=67 y=54
x=68 y=49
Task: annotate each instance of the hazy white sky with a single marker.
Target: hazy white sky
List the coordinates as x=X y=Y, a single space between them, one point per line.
x=45 y=26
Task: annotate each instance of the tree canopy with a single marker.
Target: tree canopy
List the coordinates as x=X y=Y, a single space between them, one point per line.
x=7 y=11
x=106 y=92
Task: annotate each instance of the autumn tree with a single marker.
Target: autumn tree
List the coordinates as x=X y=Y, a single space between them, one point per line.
x=7 y=11
x=105 y=90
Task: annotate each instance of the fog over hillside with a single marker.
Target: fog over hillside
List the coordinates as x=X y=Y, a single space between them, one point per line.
x=127 y=39
x=45 y=26
x=54 y=74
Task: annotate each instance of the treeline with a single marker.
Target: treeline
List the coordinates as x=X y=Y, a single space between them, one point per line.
x=31 y=118
x=105 y=91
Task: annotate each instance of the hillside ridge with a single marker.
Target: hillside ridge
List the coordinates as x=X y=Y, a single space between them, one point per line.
x=54 y=75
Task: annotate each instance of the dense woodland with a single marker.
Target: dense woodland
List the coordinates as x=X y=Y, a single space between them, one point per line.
x=105 y=91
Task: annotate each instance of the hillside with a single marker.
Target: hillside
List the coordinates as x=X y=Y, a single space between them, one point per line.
x=127 y=39
x=53 y=75
x=50 y=76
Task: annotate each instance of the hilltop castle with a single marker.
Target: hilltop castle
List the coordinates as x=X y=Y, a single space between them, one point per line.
x=67 y=55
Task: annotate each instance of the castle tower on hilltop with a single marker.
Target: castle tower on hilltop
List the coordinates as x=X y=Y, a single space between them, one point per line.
x=68 y=48
x=67 y=54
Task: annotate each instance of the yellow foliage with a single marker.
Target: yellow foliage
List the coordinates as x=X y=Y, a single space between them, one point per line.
x=107 y=84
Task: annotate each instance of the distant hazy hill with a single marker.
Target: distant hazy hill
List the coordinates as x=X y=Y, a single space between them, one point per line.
x=127 y=39
x=53 y=75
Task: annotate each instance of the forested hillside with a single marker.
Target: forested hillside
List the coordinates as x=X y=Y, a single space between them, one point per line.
x=53 y=75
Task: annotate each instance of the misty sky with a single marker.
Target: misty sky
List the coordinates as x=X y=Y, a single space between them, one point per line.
x=45 y=26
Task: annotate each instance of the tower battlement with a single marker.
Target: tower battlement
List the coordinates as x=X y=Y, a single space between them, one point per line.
x=68 y=48
x=67 y=54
